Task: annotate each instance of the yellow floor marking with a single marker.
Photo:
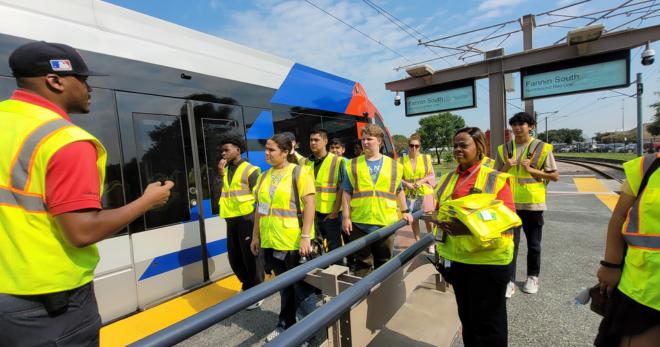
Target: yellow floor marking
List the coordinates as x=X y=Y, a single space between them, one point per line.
x=589 y=185
x=145 y=323
x=593 y=185
x=609 y=200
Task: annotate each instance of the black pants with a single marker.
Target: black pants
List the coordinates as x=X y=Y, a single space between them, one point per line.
x=24 y=320
x=248 y=268
x=300 y=296
x=479 y=291
x=328 y=230
x=532 y=225
x=372 y=256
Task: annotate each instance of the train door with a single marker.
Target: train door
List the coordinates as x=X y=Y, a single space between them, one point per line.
x=213 y=120
x=160 y=142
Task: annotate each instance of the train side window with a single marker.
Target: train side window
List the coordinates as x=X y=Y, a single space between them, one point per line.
x=7 y=86
x=389 y=148
x=160 y=154
x=344 y=129
x=258 y=129
x=101 y=122
x=300 y=125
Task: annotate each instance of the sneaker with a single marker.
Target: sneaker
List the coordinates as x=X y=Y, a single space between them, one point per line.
x=274 y=334
x=255 y=306
x=532 y=285
x=510 y=290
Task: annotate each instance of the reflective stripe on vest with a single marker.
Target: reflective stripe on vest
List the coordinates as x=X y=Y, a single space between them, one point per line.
x=53 y=264
x=412 y=175
x=325 y=181
x=20 y=170
x=631 y=232
x=374 y=203
x=236 y=198
x=30 y=203
x=280 y=228
x=526 y=188
x=641 y=232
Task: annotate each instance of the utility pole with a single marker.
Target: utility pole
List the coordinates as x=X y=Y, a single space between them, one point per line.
x=640 y=121
x=528 y=23
x=546 y=130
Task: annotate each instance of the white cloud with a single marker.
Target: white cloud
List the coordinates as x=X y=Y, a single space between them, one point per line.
x=495 y=4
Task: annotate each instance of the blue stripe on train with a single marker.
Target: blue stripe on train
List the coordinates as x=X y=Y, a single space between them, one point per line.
x=311 y=88
x=181 y=258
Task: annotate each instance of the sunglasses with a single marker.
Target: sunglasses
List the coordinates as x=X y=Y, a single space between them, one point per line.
x=414 y=146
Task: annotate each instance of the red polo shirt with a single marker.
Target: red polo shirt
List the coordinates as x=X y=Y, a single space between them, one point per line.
x=72 y=179
x=462 y=189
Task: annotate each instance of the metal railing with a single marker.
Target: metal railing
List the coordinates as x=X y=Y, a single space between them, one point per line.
x=214 y=314
x=330 y=312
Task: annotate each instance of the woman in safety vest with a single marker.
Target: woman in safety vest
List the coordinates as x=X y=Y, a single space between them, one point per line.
x=418 y=180
x=630 y=270
x=475 y=218
x=283 y=194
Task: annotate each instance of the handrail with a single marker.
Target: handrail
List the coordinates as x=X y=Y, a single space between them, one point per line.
x=330 y=312
x=194 y=324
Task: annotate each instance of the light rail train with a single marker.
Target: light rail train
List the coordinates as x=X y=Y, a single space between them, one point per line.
x=170 y=93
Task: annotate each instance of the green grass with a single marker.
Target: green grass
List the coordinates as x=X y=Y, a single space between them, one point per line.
x=618 y=156
x=444 y=167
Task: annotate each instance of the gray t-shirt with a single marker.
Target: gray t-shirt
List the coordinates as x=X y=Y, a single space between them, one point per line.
x=550 y=165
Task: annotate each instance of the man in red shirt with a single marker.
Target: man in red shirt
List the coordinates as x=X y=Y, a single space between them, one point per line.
x=48 y=231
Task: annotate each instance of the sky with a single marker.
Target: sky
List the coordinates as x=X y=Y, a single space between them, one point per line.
x=377 y=36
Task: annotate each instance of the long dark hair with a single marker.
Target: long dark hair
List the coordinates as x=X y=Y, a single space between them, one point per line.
x=479 y=139
x=283 y=142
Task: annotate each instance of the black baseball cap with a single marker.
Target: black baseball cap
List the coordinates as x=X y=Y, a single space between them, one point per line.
x=40 y=58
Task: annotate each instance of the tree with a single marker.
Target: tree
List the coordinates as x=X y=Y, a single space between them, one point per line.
x=400 y=143
x=437 y=131
x=654 y=127
x=563 y=135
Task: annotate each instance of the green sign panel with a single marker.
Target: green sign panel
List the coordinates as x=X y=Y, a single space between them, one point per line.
x=596 y=73
x=444 y=97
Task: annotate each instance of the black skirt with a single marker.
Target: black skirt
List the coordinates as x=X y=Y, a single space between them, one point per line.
x=625 y=317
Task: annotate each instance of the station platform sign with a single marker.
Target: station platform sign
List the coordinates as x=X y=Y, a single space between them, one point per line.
x=584 y=74
x=441 y=97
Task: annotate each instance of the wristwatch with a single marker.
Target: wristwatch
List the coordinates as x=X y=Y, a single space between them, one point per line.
x=611 y=265
x=406 y=211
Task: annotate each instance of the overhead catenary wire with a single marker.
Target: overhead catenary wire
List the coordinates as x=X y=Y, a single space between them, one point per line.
x=359 y=31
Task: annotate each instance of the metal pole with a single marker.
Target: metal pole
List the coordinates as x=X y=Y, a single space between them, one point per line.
x=497 y=110
x=640 y=121
x=528 y=23
x=546 y=129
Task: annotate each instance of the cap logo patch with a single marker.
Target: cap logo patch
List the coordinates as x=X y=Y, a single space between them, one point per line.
x=61 y=65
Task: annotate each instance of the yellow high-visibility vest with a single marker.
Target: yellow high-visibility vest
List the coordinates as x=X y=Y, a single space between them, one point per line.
x=279 y=229
x=420 y=172
x=526 y=188
x=326 y=182
x=374 y=203
x=35 y=257
x=236 y=198
x=488 y=162
x=640 y=279
x=471 y=249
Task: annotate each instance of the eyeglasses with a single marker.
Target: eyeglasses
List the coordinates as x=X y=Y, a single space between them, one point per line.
x=414 y=146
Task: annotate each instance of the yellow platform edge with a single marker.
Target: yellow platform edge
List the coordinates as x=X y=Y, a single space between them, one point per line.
x=145 y=323
x=593 y=185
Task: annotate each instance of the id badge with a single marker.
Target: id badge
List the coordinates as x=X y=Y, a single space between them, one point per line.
x=263 y=208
